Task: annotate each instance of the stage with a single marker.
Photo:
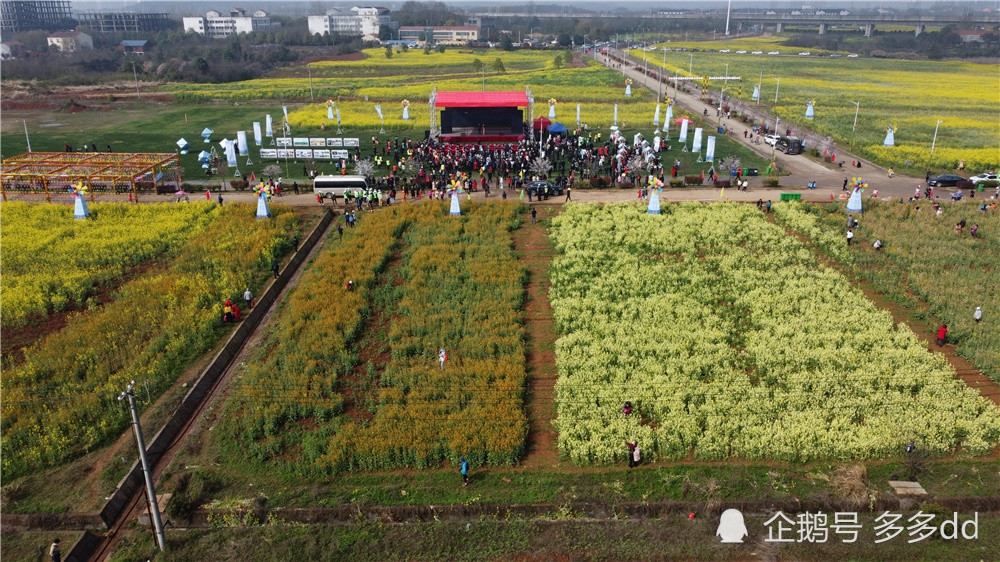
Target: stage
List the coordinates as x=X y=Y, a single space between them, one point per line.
x=480 y=117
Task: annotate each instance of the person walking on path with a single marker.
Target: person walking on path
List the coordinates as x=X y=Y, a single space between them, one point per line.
x=850 y=236
x=567 y=193
x=274 y=267
x=534 y=214
x=295 y=242
x=220 y=199
x=54 y=551
x=319 y=199
x=248 y=296
x=340 y=231
x=978 y=314
x=464 y=469
x=942 y=333
x=442 y=357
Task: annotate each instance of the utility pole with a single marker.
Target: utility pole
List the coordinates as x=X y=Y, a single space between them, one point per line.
x=154 y=508
x=26 y=137
x=136 y=76
x=309 y=68
x=760 y=83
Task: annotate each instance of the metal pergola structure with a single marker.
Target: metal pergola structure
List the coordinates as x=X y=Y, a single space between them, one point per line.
x=101 y=172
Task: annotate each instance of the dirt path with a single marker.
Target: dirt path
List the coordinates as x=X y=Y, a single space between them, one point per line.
x=924 y=329
x=531 y=242
x=216 y=395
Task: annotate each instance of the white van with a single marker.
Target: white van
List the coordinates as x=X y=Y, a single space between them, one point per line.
x=328 y=186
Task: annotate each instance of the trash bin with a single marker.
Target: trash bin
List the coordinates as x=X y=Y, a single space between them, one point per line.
x=791 y=196
x=752 y=172
x=721 y=131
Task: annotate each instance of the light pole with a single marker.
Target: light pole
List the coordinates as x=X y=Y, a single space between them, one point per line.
x=690 y=63
x=776 y=90
x=661 y=74
x=726 y=79
x=935 y=135
x=855 y=125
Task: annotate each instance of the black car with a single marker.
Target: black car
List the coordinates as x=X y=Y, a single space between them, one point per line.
x=945 y=180
x=543 y=189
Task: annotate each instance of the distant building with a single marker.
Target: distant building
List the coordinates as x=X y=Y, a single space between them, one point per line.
x=23 y=15
x=972 y=35
x=110 y=22
x=365 y=21
x=216 y=26
x=133 y=46
x=70 y=41
x=440 y=35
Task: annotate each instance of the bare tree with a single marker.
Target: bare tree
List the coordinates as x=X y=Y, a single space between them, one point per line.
x=540 y=167
x=272 y=170
x=364 y=168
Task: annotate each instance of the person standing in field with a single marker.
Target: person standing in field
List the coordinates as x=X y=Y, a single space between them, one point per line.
x=850 y=236
x=942 y=333
x=54 y=551
x=534 y=214
x=464 y=469
x=248 y=296
x=633 y=453
x=442 y=357
x=978 y=314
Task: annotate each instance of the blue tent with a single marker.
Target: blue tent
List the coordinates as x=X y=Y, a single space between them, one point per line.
x=556 y=127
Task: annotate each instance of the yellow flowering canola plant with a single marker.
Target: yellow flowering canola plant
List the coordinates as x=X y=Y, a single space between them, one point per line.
x=60 y=402
x=463 y=291
x=730 y=340
x=52 y=261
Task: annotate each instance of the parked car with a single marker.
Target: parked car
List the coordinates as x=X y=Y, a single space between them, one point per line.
x=945 y=180
x=757 y=53
x=724 y=51
x=543 y=189
x=985 y=176
x=774 y=53
x=852 y=56
x=804 y=54
x=771 y=139
x=741 y=52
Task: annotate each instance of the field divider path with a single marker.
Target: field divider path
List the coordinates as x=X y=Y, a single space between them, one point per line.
x=535 y=252
x=964 y=370
x=129 y=502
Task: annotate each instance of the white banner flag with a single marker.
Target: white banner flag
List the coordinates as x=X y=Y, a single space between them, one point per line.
x=696 y=143
x=241 y=142
x=268 y=125
x=378 y=109
x=616 y=114
x=256 y=132
x=656 y=116
x=230 y=153
x=710 y=149
x=284 y=109
x=577 y=115
x=684 y=131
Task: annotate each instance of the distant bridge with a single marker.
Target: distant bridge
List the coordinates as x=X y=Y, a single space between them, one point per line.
x=781 y=19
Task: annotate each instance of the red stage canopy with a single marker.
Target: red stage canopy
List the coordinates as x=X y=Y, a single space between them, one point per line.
x=481 y=99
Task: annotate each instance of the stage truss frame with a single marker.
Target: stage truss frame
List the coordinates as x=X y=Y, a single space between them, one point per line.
x=101 y=172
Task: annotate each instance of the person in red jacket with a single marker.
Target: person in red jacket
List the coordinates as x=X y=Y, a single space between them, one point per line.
x=942 y=334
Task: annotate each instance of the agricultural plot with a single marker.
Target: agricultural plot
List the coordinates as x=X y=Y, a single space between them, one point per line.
x=730 y=340
x=951 y=271
x=910 y=96
x=53 y=262
x=454 y=283
x=60 y=402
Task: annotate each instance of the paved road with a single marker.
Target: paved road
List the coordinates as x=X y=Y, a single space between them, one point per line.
x=801 y=169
